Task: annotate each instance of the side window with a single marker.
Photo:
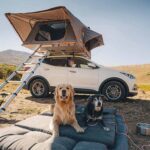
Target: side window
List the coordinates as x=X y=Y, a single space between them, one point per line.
x=82 y=63
x=49 y=31
x=47 y=61
x=61 y=62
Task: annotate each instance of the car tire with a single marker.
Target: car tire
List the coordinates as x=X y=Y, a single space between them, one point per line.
x=114 y=91
x=39 y=88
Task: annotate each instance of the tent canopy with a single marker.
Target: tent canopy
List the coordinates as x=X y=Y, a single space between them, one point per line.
x=55 y=29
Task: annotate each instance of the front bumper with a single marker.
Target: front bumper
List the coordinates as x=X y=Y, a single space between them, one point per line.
x=133 y=91
x=131 y=94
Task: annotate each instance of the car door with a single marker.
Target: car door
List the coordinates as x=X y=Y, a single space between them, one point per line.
x=55 y=70
x=82 y=76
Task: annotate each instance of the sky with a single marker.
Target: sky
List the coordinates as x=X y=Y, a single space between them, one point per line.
x=124 y=24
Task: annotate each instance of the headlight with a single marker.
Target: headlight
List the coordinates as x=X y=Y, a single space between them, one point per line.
x=128 y=75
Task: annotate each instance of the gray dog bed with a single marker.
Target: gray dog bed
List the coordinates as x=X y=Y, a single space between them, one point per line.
x=33 y=133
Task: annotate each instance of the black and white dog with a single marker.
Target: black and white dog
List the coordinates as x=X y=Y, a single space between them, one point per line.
x=94 y=111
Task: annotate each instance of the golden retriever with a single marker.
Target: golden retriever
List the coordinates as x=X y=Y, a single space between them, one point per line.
x=64 y=109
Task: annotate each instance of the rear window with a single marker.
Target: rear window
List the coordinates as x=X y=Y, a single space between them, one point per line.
x=48 y=31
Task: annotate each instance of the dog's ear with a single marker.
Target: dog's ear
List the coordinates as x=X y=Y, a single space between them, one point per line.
x=56 y=93
x=90 y=99
x=71 y=92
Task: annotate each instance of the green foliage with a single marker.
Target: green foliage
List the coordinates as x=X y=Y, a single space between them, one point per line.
x=6 y=70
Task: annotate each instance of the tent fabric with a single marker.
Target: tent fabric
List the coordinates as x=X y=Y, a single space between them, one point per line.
x=20 y=20
x=78 y=37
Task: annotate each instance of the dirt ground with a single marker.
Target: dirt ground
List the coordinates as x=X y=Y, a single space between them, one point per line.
x=134 y=110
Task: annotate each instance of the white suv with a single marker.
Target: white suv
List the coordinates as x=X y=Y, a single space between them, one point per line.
x=84 y=75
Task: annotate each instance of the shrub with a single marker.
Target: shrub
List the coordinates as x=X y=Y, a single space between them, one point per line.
x=6 y=70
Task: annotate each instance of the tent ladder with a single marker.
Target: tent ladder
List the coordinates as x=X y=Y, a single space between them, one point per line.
x=17 y=69
x=23 y=82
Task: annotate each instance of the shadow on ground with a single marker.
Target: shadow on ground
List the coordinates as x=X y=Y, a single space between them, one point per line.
x=50 y=99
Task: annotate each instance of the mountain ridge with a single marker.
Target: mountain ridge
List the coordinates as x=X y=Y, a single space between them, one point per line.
x=13 y=57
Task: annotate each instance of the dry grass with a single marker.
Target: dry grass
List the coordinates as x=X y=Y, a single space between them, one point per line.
x=144 y=87
x=10 y=87
x=29 y=110
x=141 y=72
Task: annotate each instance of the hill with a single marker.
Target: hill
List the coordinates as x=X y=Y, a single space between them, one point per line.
x=141 y=72
x=12 y=57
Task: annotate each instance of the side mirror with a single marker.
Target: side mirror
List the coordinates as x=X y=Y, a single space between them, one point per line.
x=91 y=65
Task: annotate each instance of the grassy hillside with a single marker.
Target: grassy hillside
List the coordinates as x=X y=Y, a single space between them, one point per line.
x=6 y=70
x=13 y=57
x=141 y=72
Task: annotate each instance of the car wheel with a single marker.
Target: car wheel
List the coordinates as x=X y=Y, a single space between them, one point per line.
x=114 y=91
x=39 y=88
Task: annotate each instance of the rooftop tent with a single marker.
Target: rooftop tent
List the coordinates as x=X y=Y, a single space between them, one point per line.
x=55 y=29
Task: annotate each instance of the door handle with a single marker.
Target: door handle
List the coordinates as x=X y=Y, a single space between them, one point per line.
x=72 y=71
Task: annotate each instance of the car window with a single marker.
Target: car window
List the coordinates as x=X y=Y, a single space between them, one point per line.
x=82 y=63
x=61 y=62
x=49 y=31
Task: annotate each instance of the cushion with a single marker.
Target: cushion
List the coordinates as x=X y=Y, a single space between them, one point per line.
x=121 y=141
x=92 y=133
x=8 y=141
x=89 y=146
x=33 y=133
x=12 y=130
x=36 y=123
x=28 y=140
x=60 y=143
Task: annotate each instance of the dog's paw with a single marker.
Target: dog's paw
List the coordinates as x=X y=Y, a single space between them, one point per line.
x=80 y=130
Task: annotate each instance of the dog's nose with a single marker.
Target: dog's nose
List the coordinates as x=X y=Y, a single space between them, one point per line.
x=99 y=104
x=64 y=92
